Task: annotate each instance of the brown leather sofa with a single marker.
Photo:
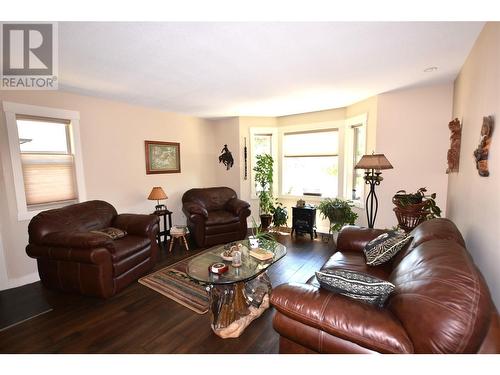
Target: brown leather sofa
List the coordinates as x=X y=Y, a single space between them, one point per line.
x=71 y=258
x=441 y=303
x=215 y=215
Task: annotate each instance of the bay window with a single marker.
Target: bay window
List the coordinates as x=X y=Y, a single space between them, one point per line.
x=315 y=160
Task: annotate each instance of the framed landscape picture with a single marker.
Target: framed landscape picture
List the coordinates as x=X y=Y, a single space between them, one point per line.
x=162 y=157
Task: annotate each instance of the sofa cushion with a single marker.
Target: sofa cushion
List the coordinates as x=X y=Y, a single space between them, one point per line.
x=214 y=198
x=356 y=285
x=435 y=229
x=338 y=316
x=384 y=247
x=441 y=298
x=222 y=229
x=219 y=217
x=126 y=264
x=80 y=217
x=127 y=246
x=438 y=229
x=355 y=261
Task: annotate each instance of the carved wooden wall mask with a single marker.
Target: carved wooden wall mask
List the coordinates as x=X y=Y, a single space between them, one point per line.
x=455 y=140
x=481 y=153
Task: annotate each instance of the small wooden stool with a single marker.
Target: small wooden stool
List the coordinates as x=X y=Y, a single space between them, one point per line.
x=181 y=236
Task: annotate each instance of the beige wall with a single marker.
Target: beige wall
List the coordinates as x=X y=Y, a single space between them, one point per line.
x=474 y=201
x=412 y=131
x=312 y=117
x=112 y=139
x=225 y=131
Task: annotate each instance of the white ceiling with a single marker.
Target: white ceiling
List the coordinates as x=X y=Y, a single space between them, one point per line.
x=256 y=69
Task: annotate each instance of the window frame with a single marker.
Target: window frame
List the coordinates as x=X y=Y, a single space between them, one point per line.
x=258 y=130
x=359 y=121
x=12 y=111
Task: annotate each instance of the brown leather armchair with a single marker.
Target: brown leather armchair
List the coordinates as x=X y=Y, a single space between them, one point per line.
x=215 y=215
x=73 y=259
x=441 y=303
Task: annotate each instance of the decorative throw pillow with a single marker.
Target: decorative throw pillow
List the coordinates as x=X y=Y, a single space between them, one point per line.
x=384 y=247
x=113 y=233
x=356 y=285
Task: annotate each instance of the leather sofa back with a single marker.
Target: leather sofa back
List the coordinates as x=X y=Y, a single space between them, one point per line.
x=80 y=217
x=214 y=198
x=441 y=298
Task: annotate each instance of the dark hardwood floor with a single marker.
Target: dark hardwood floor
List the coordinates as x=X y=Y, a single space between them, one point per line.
x=140 y=320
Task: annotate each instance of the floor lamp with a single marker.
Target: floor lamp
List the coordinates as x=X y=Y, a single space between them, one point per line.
x=372 y=164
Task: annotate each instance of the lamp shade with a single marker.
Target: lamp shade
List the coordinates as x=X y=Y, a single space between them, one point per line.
x=157 y=194
x=374 y=161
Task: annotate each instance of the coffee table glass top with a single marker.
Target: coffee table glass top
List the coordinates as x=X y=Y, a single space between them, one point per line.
x=250 y=267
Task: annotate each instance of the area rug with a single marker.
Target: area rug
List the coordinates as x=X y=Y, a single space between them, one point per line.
x=174 y=283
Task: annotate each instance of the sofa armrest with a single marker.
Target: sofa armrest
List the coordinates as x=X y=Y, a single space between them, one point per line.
x=193 y=209
x=236 y=206
x=137 y=224
x=72 y=239
x=353 y=238
x=97 y=255
x=343 y=317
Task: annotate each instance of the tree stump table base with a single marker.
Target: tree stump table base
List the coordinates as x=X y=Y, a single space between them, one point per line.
x=235 y=306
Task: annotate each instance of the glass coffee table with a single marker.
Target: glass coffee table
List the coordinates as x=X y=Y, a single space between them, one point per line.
x=239 y=295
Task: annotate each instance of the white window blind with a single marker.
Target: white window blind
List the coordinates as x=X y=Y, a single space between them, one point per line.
x=310 y=163
x=48 y=178
x=48 y=164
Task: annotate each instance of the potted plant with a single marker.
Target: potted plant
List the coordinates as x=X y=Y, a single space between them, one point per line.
x=413 y=208
x=339 y=213
x=260 y=237
x=264 y=179
x=280 y=214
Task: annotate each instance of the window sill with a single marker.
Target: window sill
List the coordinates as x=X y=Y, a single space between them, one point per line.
x=314 y=199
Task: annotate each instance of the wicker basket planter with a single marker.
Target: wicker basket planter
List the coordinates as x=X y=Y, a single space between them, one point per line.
x=411 y=215
x=414 y=208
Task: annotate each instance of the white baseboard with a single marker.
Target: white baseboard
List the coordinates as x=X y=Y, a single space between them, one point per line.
x=20 y=281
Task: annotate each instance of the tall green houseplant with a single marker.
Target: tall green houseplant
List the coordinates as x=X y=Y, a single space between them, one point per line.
x=264 y=179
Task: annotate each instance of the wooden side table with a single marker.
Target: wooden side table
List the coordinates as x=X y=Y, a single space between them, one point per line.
x=166 y=225
x=304 y=221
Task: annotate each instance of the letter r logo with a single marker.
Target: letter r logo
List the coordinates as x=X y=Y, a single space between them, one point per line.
x=27 y=49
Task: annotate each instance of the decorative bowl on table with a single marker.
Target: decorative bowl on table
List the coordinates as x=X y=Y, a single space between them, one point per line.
x=225 y=257
x=228 y=252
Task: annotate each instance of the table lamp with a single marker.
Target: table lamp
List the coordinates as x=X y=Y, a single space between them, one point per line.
x=158 y=194
x=373 y=164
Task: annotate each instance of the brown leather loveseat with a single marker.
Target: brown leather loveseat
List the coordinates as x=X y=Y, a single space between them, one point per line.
x=441 y=303
x=71 y=258
x=215 y=215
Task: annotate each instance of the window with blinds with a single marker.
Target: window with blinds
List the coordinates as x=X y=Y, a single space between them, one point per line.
x=47 y=160
x=310 y=163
